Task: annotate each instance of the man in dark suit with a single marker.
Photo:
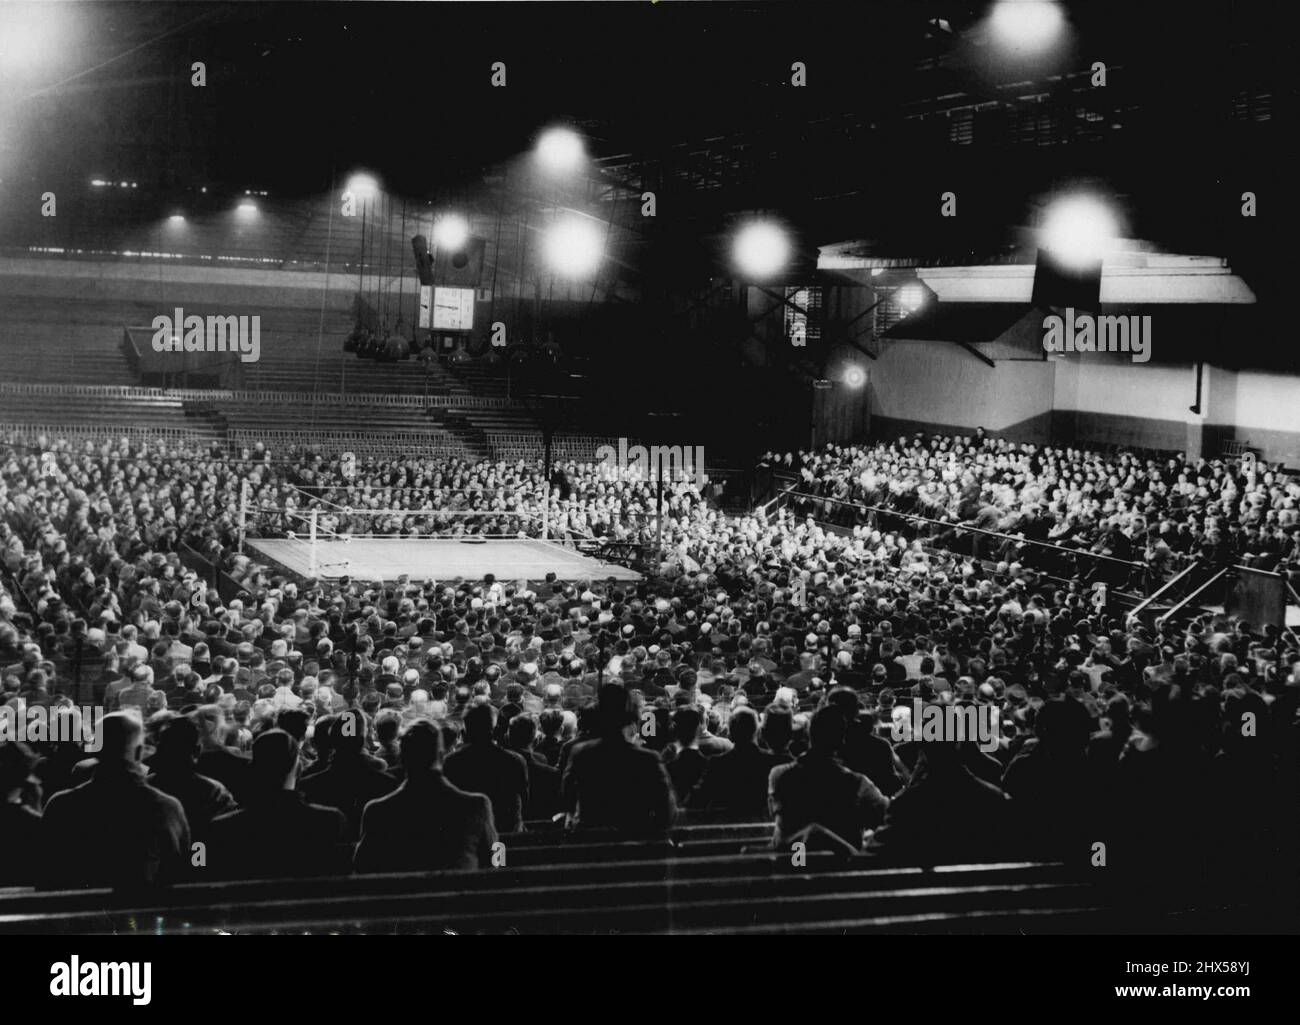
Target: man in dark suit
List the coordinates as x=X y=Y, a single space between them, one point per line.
x=481 y=766
x=863 y=751
x=20 y=854
x=945 y=815
x=173 y=772
x=115 y=830
x=543 y=779
x=427 y=824
x=278 y=833
x=735 y=783
x=818 y=790
x=685 y=761
x=227 y=766
x=352 y=779
x=612 y=784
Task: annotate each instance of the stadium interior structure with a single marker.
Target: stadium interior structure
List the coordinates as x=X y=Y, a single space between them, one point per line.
x=471 y=282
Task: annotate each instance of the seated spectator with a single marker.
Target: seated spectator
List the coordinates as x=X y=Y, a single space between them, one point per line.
x=19 y=824
x=351 y=780
x=115 y=830
x=277 y=832
x=735 y=783
x=684 y=759
x=543 y=779
x=863 y=751
x=817 y=790
x=427 y=824
x=609 y=783
x=217 y=760
x=945 y=815
x=174 y=772
x=481 y=766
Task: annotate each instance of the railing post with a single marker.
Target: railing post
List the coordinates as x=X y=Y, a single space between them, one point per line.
x=311 y=563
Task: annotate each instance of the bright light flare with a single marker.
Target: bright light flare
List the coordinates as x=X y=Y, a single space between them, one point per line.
x=32 y=35
x=560 y=150
x=911 y=298
x=450 y=231
x=573 y=247
x=855 y=377
x=1027 y=26
x=761 y=249
x=363 y=186
x=1079 y=231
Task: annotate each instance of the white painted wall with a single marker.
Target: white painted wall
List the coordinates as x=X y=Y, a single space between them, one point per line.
x=1101 y=383
x=942 y=383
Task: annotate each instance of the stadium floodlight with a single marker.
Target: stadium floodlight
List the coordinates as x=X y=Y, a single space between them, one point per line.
x=1078 y=231
x=363 y=186
x=450 y=231
x=855 y=377
x=31 y=35
x=560 y=150
x=573 y=246
x=1026 y=26
x=910 y=298
x=761 y=249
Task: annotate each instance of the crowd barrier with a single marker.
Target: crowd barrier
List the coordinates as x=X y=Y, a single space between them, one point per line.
x=87 y=432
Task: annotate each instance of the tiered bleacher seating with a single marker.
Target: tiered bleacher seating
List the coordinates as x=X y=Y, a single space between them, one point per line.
x=74 y=346
x=705 y=878
x=107 y=410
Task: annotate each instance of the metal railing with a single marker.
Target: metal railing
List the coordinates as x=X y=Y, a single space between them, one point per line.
x=957 y=528
x=90 y=432
x=1177 y=610
x=1164 y=592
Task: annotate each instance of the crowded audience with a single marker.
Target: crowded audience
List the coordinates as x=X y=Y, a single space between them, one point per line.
x=768 y=669
x=1157 y=512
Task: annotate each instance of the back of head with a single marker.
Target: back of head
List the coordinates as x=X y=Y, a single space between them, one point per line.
x=743 y=725
x=686 y=724
x=293 y=721
x=522 y=732
x=1063 y=726
x=846 y=700
x=421 y=747
x=348 y=734
x=122 y=738
x=211 y=721
x=275 y=759
x=479 y=722
x=614 y=709
x=550 y=721
x=387 y=724
x=178 y=744
x=826 y=730
x=778 y=727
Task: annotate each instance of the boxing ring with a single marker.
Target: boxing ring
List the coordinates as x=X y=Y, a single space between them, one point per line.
x=424 y=559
